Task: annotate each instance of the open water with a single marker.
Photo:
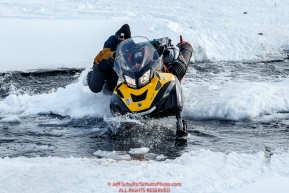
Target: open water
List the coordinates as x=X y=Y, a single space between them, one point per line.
x=54 y=135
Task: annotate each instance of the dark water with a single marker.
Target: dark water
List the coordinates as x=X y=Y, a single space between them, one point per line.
x=53 y=135
x=36 y=82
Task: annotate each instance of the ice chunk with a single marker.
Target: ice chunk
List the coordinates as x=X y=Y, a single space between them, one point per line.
x=142 y=150
x=116 y=155
x=11 y=119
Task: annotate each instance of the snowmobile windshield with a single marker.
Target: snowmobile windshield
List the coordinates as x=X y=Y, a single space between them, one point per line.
x=135 y=54
x=136 y=61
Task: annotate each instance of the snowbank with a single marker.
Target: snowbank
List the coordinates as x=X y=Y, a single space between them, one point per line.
x=197 y=171
x=57 y=34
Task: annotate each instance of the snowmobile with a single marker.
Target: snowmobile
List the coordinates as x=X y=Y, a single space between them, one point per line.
x=151 y=72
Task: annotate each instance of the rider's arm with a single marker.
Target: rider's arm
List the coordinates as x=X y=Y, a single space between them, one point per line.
x=107 y=51
x=104 y=54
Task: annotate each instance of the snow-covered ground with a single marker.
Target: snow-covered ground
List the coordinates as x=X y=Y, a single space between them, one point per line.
x=56 y=34
x=199 y=171
x=67 y=33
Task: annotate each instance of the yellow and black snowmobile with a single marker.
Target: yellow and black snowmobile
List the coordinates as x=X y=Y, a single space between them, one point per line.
x=151 y=73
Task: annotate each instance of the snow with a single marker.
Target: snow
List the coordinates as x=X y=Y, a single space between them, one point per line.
x=198 y=171
x=135 y=151
x=267 y=185
x=11 y=119
x=68 y=34
x=239 y=100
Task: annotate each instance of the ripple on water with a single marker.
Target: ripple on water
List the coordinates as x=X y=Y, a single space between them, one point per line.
x=53 y=135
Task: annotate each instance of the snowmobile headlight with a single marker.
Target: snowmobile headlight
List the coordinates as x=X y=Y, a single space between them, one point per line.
x=144 y=79
x=130 y=81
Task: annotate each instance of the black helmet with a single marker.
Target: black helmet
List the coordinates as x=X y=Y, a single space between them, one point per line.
x=124 y=31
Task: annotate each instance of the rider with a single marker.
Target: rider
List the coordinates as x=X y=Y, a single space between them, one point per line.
x=103 y=77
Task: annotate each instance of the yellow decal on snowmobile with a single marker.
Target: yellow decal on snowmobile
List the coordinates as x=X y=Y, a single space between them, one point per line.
x=149 y=93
